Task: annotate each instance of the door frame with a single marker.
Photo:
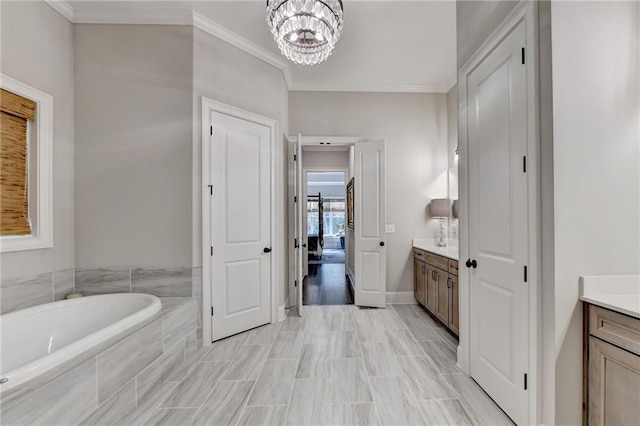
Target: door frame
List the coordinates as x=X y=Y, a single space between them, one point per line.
x=526 y=12
x=305 y=183
x=320 y=143
x=209 y=106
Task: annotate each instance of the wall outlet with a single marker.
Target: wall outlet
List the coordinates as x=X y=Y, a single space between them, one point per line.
x=390 y=229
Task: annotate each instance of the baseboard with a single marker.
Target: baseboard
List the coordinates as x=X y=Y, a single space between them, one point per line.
x=401 y=297
x=282 y=313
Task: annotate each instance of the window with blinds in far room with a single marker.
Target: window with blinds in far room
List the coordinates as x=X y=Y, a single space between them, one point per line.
x=16 y=113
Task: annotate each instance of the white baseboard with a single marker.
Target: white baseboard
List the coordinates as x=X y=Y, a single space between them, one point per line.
x=401 y=297
x=282 y=313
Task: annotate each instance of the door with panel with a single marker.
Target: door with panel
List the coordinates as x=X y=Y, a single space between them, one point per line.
x=442 y=296
x=431 y=289
x=369 y=224
x=419 y=275
x=454 y=303
x=240 y=224
x=498 y=224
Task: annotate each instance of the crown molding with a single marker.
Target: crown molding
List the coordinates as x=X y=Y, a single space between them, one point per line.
x=374 y=88
x=62 y=7
x=213 y=28
x=452 y=81
x=197 y=20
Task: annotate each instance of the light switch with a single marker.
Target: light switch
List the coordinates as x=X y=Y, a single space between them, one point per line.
x=390 y=229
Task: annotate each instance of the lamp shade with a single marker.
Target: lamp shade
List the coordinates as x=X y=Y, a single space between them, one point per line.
x=440 y=207
x=455 y=208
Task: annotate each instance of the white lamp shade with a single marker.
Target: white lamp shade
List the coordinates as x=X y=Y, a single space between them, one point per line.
x=440 y=207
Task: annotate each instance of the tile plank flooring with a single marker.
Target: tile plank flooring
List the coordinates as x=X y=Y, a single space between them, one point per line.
x=339 y=365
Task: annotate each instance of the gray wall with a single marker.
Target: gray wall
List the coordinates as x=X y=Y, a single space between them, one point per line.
x=226 y=74
x=596 y=150
x=476 y=20
x=37 y=49
x=133 y=123
x=415 y=129
x=325 y=159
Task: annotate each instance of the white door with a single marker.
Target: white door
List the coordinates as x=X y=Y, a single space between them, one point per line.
x=498 y=225
x=240 y=225
x=300 y=208
x=369 y=224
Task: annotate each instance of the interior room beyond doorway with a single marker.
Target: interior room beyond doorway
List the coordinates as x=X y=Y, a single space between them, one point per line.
x=326 y=281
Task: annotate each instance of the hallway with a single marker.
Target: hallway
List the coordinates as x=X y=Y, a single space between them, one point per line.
x=339 y=365
x=326 y=284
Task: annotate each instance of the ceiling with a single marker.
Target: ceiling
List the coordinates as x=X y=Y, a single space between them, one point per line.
x=386 y=46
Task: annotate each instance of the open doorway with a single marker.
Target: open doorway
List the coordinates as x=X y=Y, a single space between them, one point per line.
x=326 y=282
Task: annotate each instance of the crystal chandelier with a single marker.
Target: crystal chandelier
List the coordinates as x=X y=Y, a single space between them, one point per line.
x=306 y=30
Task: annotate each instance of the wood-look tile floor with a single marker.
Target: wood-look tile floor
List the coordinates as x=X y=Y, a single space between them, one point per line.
x=339 y=365
x=326 y=284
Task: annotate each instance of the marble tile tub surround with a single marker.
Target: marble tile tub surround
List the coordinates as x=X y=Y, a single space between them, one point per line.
x=253 y=378
x=620 y=293
x=129 y=372
x=161 y=282
x=21 y=293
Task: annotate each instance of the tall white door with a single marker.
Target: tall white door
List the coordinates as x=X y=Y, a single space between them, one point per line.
x=300 y=208
x=498 y=225
x=240 y=225
x=369 y=224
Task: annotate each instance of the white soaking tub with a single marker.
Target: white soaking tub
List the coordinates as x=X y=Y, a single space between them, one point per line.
x=37 y=339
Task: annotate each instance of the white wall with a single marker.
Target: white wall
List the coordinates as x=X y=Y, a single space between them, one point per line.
x=415 y=129
x=317 y=159
x=133 y=121
x=226 y=74
x=452 y=145
x=37 y=49
x=596 y=137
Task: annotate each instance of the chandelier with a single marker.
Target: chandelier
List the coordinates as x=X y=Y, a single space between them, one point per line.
x=306 y=30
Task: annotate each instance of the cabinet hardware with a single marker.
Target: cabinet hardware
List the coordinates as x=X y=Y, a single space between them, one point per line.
x=212 y=311
x=525 y=382
x=525 y=274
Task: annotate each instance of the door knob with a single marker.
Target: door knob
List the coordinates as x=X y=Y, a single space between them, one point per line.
x=267 y=250
x=471 y=263
x=381 y=243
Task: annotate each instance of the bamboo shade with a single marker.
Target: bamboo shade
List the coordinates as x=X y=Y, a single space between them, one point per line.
x=15 y=111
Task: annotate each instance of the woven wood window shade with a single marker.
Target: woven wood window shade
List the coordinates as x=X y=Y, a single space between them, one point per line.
x=15 y=113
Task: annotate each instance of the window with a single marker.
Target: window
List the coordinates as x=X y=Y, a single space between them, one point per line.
x=25 y=167
x=333 y=216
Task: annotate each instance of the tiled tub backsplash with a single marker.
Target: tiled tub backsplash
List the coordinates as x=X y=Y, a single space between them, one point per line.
x=22 y=293
x=116 y=382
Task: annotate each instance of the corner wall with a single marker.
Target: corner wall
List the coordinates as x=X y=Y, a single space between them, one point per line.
x=596 y=149
x=226 y=74
x=37 y=49
x=414 y=127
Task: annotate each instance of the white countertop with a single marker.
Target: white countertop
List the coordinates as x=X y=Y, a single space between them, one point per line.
x=620 y=293
x=450 y=251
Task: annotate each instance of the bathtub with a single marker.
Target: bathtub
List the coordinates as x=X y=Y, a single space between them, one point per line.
x=37 y=339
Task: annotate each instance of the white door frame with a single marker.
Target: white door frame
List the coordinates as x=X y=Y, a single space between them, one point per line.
x=208 y=106
x=525 y=11
x=320 y=142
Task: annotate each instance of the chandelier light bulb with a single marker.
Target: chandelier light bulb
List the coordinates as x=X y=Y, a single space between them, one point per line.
x=306 y=31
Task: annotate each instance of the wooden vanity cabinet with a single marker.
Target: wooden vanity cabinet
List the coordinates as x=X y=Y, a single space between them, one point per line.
x=419 y=280
x=612 y=367
x=435 y=287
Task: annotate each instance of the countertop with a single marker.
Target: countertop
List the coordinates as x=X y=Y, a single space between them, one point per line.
x=450 y=251
x=620 y=293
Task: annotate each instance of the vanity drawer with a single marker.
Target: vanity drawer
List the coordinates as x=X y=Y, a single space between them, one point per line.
x=621 y=330
x=438 y=261
x=420 y=254
x=453 y=267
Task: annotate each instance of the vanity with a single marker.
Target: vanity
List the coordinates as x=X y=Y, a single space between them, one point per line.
x=611 y=357
x=435 y=281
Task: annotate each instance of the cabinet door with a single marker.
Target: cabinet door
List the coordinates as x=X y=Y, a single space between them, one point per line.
x=614 y=385
x=454 y=316
x=442 y=298
x=432 y=289
x=419 y=274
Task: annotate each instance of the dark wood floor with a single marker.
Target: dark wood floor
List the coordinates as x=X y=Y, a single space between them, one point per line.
x=326 y=284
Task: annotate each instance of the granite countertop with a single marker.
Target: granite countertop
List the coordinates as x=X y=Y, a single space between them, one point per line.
x=450 y=251
x=620 y=293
